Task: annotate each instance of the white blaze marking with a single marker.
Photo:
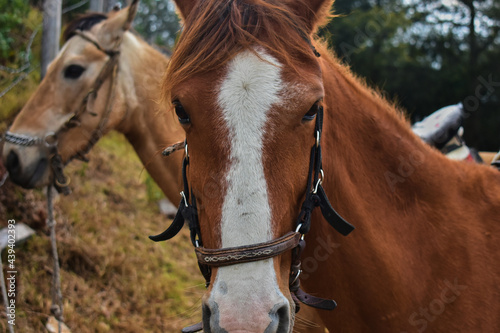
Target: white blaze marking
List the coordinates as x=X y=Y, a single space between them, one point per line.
x=247 y=94
x=249 y=91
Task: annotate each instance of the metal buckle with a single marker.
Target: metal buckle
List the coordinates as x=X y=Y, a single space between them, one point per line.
x=68 y=181
x=296 y=277
x=184 y=198
x=320 y=180
x=50 y=139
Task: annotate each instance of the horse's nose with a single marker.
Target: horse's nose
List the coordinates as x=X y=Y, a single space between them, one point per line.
x=277 y=319
x=27 y=168
x=12 y=164
x=280 y=319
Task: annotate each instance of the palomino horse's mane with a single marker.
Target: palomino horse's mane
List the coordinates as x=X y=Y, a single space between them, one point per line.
x=217 y=30
x=83 y=22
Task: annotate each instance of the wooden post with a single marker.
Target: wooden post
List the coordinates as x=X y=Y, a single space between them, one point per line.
x=96 y=6
x=51 y=32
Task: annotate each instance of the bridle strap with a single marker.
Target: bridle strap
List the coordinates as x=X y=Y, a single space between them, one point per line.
x=61 y=181
x=109 y=68
x=22 y=140
x=294 y=241
x=241 y=254
x=89 y=39
x=315 y=197
x=173 y=148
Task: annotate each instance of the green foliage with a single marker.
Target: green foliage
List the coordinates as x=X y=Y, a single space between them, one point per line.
x=20 y=41
x=12 y=13
x=424 y=54
x=157 y=22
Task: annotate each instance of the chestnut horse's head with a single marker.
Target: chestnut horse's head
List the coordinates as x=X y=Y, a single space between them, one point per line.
x=89 y=45
x=246 y=86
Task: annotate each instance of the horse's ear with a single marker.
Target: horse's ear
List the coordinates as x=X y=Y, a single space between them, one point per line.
x=313 y=12
x=184 y=7
x=117 y=23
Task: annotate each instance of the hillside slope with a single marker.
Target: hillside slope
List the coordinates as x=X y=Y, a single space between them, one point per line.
x=114 y=279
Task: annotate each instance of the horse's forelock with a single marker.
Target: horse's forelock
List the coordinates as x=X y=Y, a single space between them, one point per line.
x=217 y=30
x=83 y=22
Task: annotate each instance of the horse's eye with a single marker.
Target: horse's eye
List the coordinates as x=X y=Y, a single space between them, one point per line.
x=73 y=71
x=181 y=113
x=311 y=114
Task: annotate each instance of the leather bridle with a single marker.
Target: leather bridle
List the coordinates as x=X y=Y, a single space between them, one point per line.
x=50 y=140
x=294 y=240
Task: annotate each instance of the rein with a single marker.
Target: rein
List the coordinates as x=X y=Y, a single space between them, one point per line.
x=294 y=240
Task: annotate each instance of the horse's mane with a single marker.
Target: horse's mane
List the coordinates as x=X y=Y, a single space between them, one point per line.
x=215 y=31
x=82 y=22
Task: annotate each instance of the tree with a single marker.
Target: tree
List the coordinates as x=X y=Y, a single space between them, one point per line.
x=51 y=32
x=157 y=22
x=96 y=5
x=427 y=54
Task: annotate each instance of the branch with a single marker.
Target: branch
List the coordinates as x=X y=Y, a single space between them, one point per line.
x=16 y=82
x=75 y=6
x=490 y=40
x=26 y=64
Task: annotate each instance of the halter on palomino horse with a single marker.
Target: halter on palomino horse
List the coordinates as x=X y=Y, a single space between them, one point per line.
x=64 y=104
x=250 y=92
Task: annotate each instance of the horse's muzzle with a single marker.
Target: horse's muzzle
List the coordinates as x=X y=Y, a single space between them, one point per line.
x=23 y=171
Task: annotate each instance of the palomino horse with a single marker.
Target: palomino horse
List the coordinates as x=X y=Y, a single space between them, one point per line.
x=135 y=111
x=251 y=91
x=70 y=77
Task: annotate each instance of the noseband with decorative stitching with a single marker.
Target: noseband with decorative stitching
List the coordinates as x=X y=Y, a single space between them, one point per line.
x=294 y=240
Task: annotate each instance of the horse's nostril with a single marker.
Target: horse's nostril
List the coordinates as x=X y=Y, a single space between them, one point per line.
x=280 y=317
x=207 y=313
x=12 y=163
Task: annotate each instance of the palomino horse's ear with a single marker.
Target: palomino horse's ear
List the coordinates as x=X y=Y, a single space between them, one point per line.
x=184 y=7
x=118 y=22
x=313 y=12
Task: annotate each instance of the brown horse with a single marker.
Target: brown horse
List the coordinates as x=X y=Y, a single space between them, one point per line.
x=250 y=89
x=135 y=113
x=135 y=110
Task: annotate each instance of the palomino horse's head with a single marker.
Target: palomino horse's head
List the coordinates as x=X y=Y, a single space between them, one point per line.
x=246 y=85
x=45 y=120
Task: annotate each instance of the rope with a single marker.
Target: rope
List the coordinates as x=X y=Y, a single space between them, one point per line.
x=57 y=307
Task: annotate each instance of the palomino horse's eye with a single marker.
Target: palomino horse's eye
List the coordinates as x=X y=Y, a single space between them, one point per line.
x=73 y=71
x=181 y=113
x=311 y=114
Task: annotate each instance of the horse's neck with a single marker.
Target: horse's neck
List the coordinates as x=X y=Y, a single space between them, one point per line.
x=370 y=148
x=413 y=209
x=146 y=123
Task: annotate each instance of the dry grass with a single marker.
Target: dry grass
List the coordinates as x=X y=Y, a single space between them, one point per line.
x=114 y=278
